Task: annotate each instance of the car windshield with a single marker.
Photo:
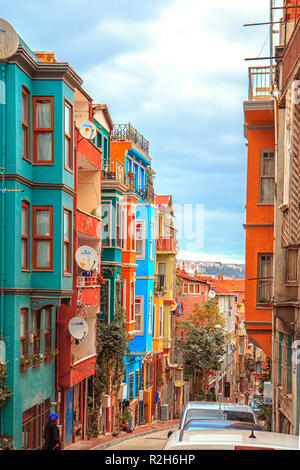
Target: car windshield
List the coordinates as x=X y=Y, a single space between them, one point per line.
x=219 y=415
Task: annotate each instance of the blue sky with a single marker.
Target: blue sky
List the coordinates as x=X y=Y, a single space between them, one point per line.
x=176 y=71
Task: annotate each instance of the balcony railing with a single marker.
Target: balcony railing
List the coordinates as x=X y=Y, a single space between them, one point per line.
x=147 y=194
x=125 y=132
x=88 y=281
x=112 y=170
x=166 y=244
x=261 y=82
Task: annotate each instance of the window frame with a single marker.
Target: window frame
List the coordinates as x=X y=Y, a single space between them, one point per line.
x=41 y=130
x=36 y=238
x=67 y=242
x=48 y=328
x=24 y=339
x=141 y=230
x=261 y=177
x=69 y=137
x=259 y=279
x=140 y=300
x=26 y=237
x=26 y=125
x=161 y=321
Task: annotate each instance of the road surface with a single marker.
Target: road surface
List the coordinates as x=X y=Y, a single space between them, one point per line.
x=153 y=441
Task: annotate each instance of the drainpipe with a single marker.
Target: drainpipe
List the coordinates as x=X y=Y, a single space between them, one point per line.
x=2 y=201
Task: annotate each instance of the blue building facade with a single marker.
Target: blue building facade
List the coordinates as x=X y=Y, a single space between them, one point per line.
x=37 y=183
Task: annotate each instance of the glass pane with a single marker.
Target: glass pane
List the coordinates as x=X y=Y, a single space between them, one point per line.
x=24 y=141
x=66 y=226
x=23 y=254
x=43 y=114
x=67 y=152
x=268 y=166
x=67 y=120
x=22 y=324
x=24 y=107
x=42 y=223
x=44 y=147
x=43 y=254
x=267 y=190
x=66 y=252
x=24 y=221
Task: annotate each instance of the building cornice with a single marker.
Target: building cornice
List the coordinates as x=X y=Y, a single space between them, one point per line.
x=38 y=292
x=38 y=185
x=44 y=70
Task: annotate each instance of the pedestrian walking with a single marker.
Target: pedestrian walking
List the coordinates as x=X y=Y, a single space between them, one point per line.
x=246 y=395
x=51 y=434
x=236 y=397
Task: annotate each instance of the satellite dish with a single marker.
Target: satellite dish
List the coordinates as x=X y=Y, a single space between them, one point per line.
x=9 y=40
x=78 y=328
x=88 y=130
x=211 y=294
x=87 y=258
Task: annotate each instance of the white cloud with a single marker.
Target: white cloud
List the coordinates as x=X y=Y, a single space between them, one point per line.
x=198 y=256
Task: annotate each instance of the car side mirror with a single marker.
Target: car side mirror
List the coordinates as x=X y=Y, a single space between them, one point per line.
x=170 y=433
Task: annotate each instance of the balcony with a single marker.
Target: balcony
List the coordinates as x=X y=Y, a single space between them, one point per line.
x=86 y=223
x=125 y=133
x=166 y=244
x=261 y=83
x=147 y=194
x=113 y=170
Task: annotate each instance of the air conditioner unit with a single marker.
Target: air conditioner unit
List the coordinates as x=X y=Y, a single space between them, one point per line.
x=141 y=395
x=106 y=401
x=122 y=392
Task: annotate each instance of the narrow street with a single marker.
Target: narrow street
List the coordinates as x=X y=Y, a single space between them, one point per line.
x=153 y=441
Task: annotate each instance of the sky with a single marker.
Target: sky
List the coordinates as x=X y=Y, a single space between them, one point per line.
x=177 y=72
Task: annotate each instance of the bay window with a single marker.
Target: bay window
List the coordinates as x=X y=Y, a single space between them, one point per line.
x=42 y=238
x=25 y=236
x=68 y=136
x=43 y=130
x=25 y=124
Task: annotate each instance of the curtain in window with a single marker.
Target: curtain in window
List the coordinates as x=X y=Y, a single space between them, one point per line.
x=43 y=253
x=43 y=114
x=44 y=146
x=42 y=223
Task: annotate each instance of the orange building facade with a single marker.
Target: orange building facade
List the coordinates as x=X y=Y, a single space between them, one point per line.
x=259 y=129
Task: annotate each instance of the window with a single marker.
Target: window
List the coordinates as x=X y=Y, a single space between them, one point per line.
x=185 y=288
x=67 y=241
x=24 y=332
x=130 y=386
x=43 y=130
x=292 y=261
x=150 y=314
x=36 y=330
x=137 y=382
x=197 y=289
x=42 y=238
x=267 y=174
x=105 y=208
x=140 y=239
x=118 y=226
x=162 y=274
x=68 y=136
x=99 y=139
x=105 y=148
x=264 y=283
x=161 y=321
x=25 y=236
x=154 y=321
x=138 y=315
x=25 y=124
x=151 y=239
x=132 y=301
x=104 y=301
x=133 y=231
x=48 y=329
x=191 y=288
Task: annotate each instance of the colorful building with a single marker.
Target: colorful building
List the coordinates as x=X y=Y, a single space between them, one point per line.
x=260 y=115
x=37 y=206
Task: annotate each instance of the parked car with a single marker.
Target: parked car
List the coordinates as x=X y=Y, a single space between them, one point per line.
x=196 y=424
x=218 y=411
x=230 y=439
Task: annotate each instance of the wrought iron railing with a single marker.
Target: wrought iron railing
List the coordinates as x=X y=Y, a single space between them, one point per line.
x=261 y=82
x=125 y=132
x=112 y=170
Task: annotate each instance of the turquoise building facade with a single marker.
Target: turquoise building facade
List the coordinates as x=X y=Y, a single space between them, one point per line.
x=37 y=145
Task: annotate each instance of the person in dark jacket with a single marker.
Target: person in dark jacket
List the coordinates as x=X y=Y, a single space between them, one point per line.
x=51 y=434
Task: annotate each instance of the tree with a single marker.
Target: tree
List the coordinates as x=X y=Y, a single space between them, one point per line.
x=203 y=348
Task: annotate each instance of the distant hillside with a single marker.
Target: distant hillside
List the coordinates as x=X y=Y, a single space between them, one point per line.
x=232 y=271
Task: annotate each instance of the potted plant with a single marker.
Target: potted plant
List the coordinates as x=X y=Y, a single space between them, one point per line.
x=25 y=362
x=37 y=359
x=50 y=354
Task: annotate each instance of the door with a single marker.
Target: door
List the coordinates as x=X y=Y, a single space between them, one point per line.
x=69 y=416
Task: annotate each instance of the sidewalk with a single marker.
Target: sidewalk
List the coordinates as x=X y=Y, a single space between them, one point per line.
x=103 y=442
